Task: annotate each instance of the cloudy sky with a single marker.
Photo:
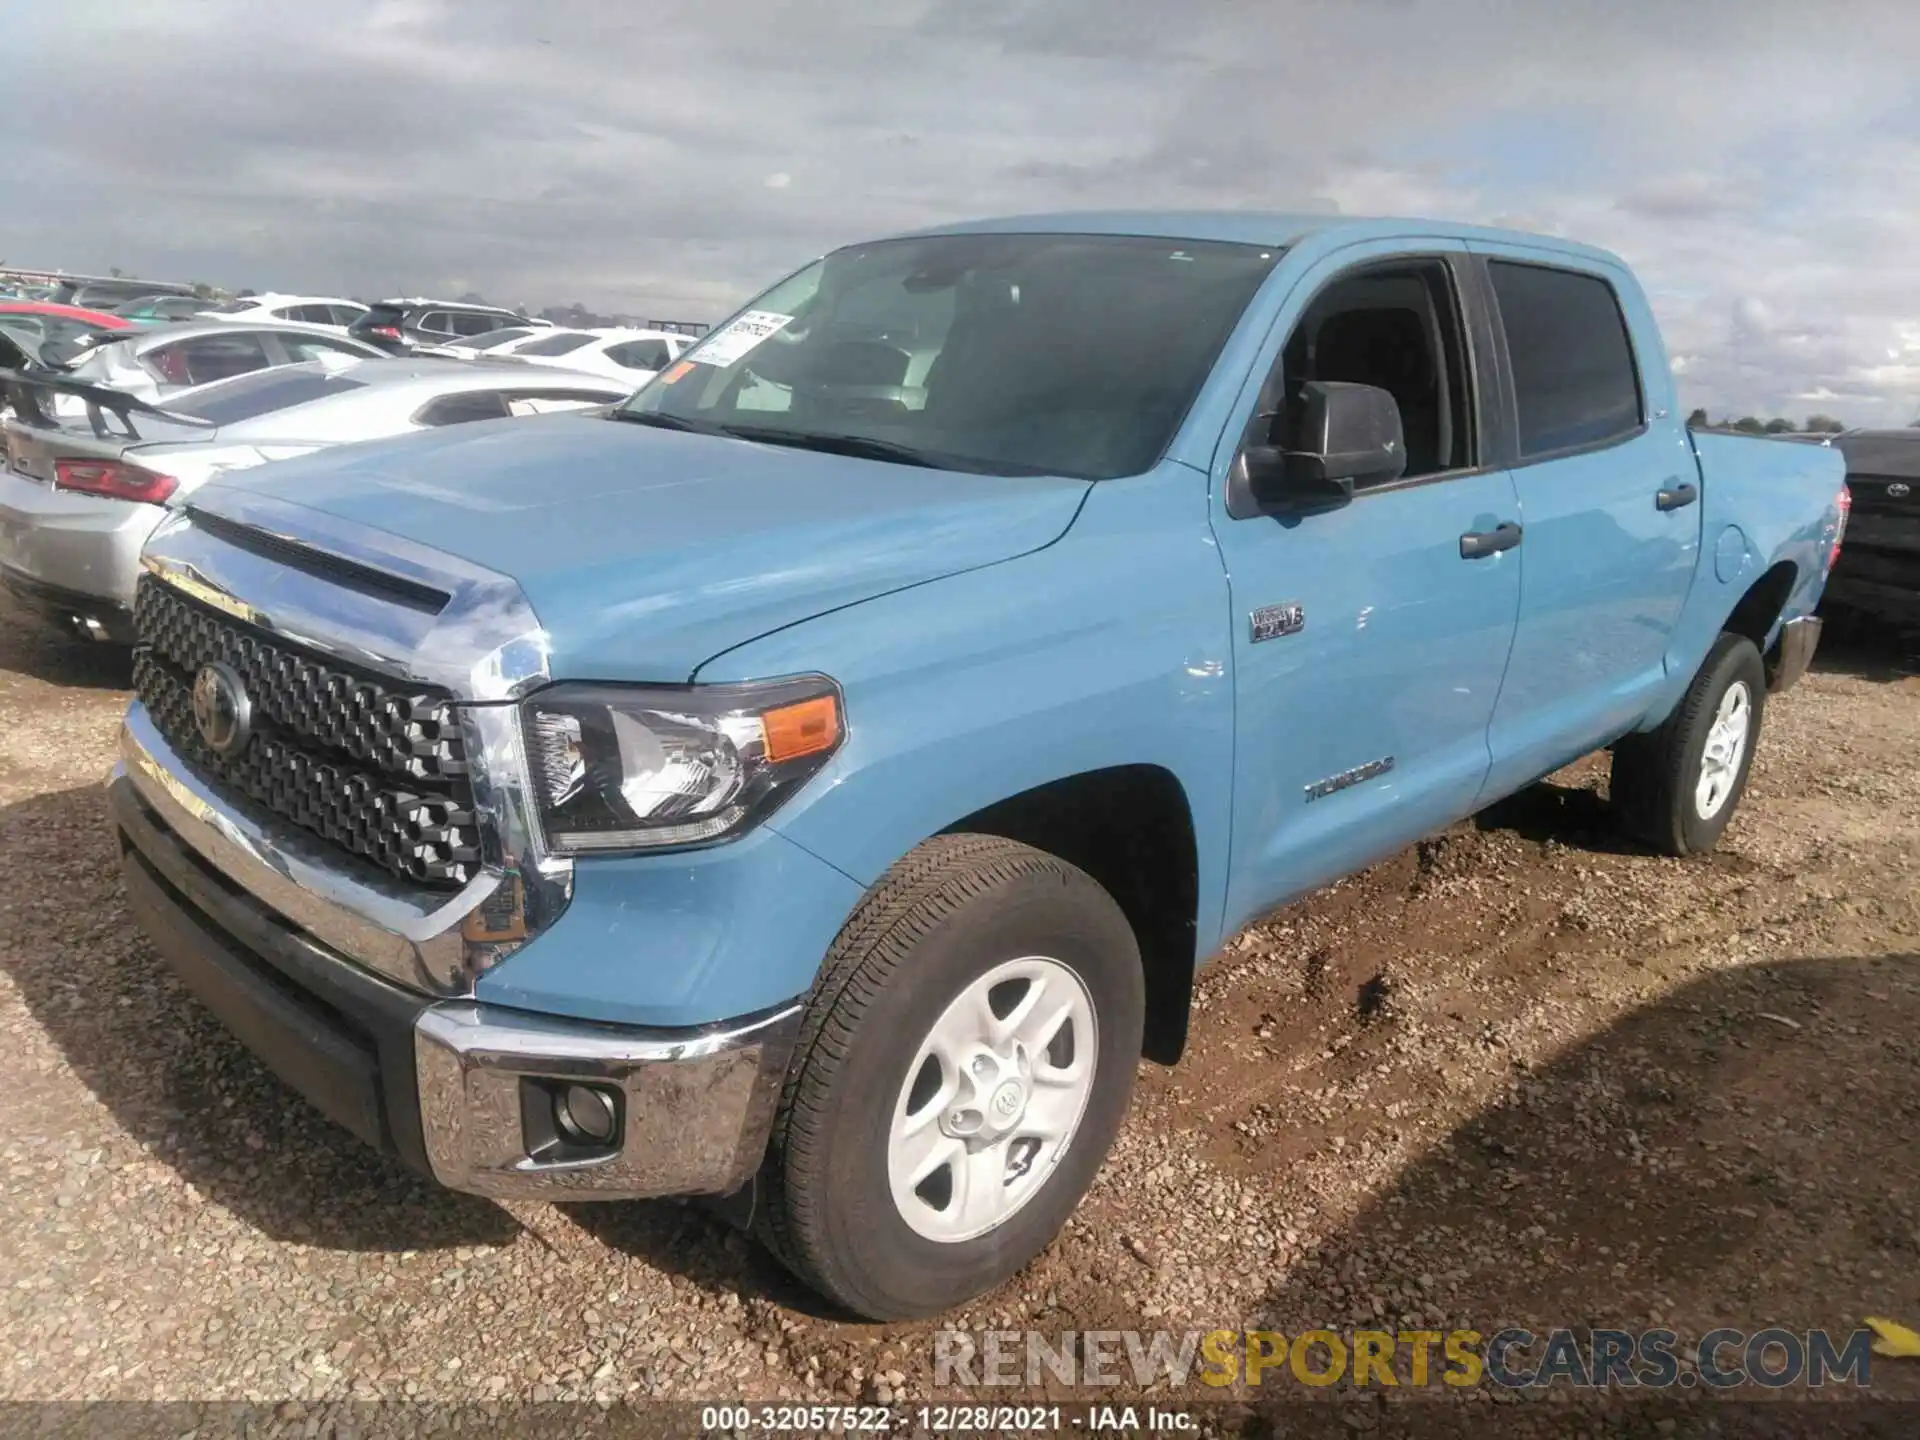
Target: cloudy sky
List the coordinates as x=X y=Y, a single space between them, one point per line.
x=1757 y=160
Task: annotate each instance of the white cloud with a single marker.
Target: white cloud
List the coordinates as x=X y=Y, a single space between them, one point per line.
x=1758 y=162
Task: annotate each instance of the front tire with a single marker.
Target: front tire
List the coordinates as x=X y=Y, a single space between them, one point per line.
x=964 y=1064
x=1676 y=787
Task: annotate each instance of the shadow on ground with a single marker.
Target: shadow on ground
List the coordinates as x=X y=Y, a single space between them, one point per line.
x=1739 y=1153
x=192 y=1096
x=1867 y=648
x=31 y=647
x=172 y=1077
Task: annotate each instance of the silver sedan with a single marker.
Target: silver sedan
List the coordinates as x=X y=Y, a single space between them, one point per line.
x=170 y=358
x=79 y=496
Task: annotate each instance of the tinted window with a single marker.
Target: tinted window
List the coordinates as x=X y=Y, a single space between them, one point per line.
x=539 y=402
x=496 y=338
x=641 y=355
x=1007 y=354
x=1574 y=377
x=460 y=409
x=1394 y=327
x=435 y=322
x=344 y=314
x=206 y=358
x=469 y=324
x=553 y=344
x=261 y=394
x=314 y=347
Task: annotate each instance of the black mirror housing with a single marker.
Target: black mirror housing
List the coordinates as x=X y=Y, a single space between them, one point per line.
x=1346 y=435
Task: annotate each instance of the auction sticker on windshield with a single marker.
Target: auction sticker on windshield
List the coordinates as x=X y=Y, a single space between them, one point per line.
x=729 y=344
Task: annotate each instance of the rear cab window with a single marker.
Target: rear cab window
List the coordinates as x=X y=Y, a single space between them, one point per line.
x=1576 y=381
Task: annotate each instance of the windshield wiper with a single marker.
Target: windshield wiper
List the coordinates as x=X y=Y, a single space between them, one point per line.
x=866 y=447
x=861 y=447
x=665 y=422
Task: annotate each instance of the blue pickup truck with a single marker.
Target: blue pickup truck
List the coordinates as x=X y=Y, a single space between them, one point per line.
x=814 y=781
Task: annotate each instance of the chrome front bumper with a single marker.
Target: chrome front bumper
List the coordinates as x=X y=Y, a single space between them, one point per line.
x=460 y=1090
x=694 y=1110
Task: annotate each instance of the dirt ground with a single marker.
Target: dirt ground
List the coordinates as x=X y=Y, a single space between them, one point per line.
x=1523 y=1074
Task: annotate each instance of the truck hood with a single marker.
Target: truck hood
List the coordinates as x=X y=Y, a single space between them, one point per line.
x=645 y=552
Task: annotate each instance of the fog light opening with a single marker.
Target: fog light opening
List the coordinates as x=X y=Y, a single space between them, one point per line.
x=584 y=1115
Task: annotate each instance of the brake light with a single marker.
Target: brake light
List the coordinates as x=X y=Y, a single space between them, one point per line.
x=113 y=479
x=386 y=332
x=1844 y=503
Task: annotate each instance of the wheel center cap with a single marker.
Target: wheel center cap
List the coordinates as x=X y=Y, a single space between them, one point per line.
x=1009 y=1100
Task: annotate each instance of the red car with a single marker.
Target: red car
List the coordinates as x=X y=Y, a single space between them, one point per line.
x=53 y=333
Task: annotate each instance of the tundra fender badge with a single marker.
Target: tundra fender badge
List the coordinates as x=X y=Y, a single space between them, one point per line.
x=1333 y=784
x=1270 y=622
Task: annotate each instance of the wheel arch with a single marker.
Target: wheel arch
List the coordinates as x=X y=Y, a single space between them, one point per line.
x=1131 y=828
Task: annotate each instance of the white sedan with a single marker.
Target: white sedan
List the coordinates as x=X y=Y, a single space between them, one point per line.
x=635 y=356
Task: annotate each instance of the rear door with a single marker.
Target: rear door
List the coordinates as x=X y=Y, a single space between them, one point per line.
x=1609 y=505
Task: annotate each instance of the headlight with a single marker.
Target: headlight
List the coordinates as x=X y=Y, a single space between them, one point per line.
x=642 y=767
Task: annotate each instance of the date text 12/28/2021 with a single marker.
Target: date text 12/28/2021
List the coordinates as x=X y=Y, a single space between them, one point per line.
x=943 y=1419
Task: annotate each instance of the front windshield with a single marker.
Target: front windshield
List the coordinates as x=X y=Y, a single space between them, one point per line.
x=1007 y=354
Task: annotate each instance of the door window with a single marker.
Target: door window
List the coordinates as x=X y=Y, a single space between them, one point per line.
x=1395 y=327
x=641 y=355
x=206 y=358
x=1574 y=377
x=464 y=407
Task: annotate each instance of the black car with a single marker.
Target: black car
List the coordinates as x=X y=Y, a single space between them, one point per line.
x=399 y=325
x=1878 y=573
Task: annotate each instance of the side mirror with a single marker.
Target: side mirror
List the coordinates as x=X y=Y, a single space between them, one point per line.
x=1348 y=435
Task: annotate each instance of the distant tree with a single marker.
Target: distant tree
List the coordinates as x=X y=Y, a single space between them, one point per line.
x=242 y=294
x=1698 y=419
x=473 y=297
x=1823 y=425
x=1779 y=426
x=115 y=271
x=1750 y=425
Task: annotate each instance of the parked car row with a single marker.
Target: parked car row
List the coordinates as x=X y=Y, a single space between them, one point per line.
x=78 y=499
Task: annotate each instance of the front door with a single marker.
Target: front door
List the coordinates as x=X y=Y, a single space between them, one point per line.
x=1368 y=649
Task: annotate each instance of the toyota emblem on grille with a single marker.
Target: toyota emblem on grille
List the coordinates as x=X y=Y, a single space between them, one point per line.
x=1899 y=490
x=222 y=710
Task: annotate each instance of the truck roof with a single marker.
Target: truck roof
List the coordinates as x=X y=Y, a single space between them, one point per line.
x=1252 y=227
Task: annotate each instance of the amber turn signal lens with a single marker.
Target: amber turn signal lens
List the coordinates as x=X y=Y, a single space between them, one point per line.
x=805 y=728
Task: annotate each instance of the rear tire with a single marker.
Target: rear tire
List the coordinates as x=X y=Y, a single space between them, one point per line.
x=888 y=1079
x=1676 y=788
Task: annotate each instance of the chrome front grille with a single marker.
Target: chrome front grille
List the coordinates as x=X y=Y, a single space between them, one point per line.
x=377 y=769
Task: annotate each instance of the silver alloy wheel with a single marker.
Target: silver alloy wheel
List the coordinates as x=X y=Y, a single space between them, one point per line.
x=1725 y=748
x=992 y=1099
